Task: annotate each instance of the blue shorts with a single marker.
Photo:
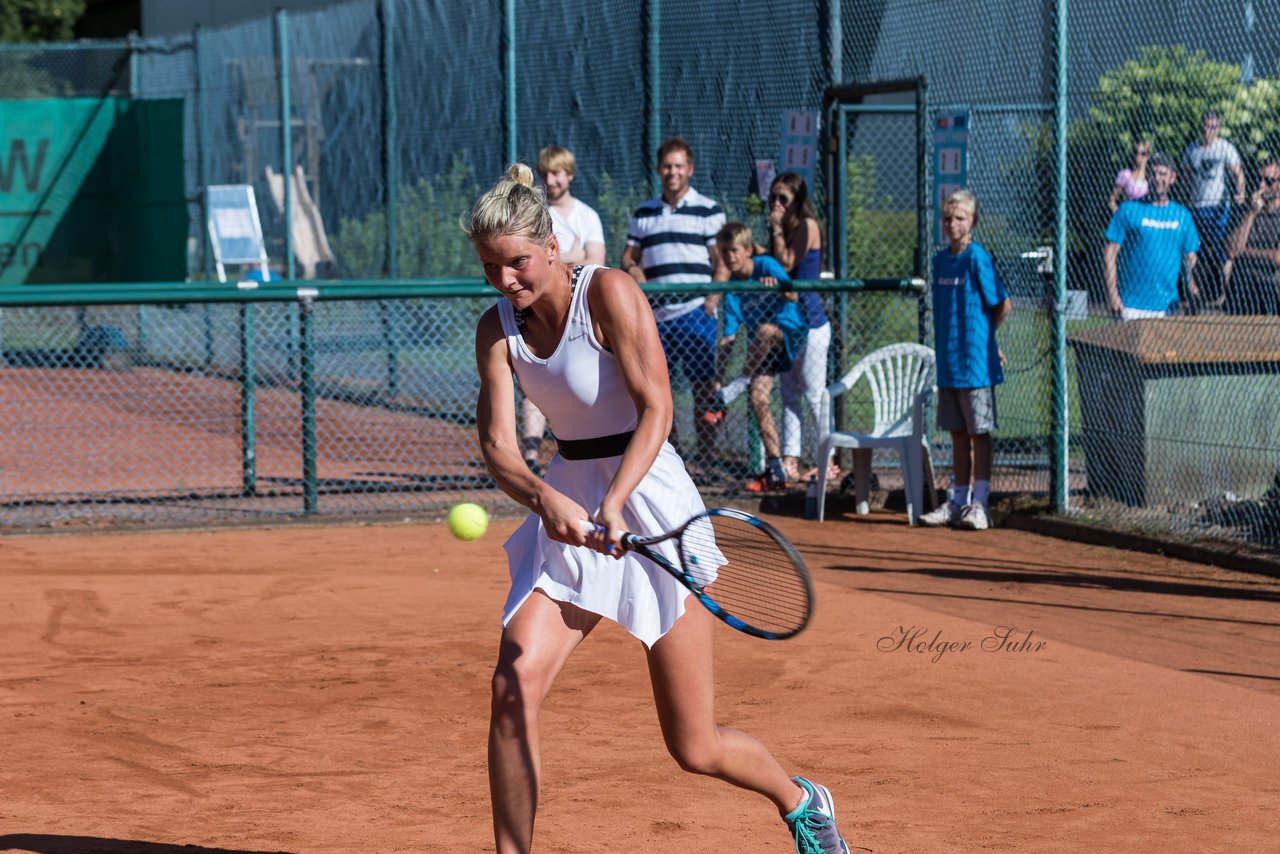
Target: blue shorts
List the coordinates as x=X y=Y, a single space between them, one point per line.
x=1211 y=222
x=690 y=342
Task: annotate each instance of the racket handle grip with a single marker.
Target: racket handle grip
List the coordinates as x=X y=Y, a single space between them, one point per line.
x=589 y=527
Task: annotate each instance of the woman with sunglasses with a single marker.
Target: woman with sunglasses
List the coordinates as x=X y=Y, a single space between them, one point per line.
x=795 y=240
x=1131 y=183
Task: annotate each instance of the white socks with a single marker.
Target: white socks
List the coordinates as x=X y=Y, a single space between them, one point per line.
x=960 y=494
x=981 y=492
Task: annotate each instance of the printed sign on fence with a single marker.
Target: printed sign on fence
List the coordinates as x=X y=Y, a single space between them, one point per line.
x=950 y=161
x=800 y=144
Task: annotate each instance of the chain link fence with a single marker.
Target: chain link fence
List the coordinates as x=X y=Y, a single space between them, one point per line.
x=399 y=112
x=182 y=412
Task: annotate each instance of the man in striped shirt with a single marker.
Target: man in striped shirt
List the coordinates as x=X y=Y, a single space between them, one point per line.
x=671 y=239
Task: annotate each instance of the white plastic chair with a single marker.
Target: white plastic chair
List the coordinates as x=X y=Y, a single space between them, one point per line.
x=901 y=380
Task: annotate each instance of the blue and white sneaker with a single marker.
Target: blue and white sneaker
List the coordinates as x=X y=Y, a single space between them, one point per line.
x=813 y=823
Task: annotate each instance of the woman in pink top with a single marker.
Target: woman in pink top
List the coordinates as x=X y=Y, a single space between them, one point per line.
x=1131 y=183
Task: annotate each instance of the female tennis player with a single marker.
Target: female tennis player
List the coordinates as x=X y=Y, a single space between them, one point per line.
x=584 y=346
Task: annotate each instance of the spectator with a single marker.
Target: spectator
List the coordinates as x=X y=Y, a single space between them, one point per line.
x=795 y=240
x=1131 y=183
x=577 y=226
x=969 y=303
x=1207 y=162
x=581 y=240
x=778 y=328
x=1251 y=279
x=670 y=239
x=1159 y=235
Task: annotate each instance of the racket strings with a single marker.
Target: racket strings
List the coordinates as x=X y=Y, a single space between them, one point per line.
x=748 y=573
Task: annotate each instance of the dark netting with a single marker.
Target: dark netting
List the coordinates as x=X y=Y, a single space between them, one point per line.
x=580 y=84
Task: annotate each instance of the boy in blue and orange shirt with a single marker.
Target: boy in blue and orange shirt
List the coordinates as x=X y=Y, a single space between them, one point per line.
x=777 y=326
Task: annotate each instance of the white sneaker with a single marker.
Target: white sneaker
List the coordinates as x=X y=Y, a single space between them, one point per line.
x=946 y=514
x=973 y=518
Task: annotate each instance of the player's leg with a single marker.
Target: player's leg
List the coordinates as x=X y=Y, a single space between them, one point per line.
x=535 y=645
x=682 y=673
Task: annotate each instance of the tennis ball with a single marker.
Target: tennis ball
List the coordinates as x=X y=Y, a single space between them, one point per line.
x=468 y=521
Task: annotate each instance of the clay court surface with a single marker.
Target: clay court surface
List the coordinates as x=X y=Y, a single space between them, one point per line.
x=325 y=689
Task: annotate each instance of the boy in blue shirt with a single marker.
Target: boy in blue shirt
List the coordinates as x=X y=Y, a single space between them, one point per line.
x=969 y=302
x=779 y=329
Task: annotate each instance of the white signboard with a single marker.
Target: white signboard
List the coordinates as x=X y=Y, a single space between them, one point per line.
x=235 y=231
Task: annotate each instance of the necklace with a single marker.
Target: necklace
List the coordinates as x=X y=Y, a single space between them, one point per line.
x=573 y=287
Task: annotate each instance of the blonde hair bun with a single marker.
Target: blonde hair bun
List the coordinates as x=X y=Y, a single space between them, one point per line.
x=521 y=174
x=513 y=206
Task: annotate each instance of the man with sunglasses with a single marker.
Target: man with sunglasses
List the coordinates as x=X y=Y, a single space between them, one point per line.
x=1252 y=273
x=1207 y=163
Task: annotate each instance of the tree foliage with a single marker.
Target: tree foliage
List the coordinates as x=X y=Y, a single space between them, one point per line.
x=1162 y=94
x=39 y=20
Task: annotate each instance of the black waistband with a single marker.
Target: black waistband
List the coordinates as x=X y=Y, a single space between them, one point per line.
x=594 y=449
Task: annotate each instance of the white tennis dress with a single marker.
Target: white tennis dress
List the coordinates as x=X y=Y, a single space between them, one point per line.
x=580 y=388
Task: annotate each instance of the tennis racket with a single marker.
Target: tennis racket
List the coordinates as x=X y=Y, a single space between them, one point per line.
x=741 y=568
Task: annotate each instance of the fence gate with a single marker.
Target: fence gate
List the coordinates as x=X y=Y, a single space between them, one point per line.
x=877 y=193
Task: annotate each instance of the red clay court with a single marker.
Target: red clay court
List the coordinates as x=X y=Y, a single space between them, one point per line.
x=325 y=689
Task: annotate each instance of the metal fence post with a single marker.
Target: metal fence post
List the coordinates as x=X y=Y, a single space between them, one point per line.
x=286 y=136
x=509 y=74
x=134 y=77
x=922 y=205
x=202 y=152
x=248 y=405
x=388 y=310
x=306 y=310
x=286 y=169
x=653 y=92
x=1059 y=450
x=202 y=144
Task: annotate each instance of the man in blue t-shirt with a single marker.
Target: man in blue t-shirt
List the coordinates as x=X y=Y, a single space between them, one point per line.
x=1159 y=239
x=969 y=302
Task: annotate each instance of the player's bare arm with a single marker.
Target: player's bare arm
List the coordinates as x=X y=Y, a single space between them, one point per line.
x=624 y=325
x=496 y=426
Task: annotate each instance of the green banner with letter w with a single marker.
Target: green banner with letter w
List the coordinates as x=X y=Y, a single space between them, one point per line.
x=47 y=148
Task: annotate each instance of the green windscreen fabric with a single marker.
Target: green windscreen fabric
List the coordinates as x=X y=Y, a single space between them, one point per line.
x=92 y=190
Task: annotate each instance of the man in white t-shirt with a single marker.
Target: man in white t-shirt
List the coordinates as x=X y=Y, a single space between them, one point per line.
x=577 y=227
x=1206 y=165
x=581 y=237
